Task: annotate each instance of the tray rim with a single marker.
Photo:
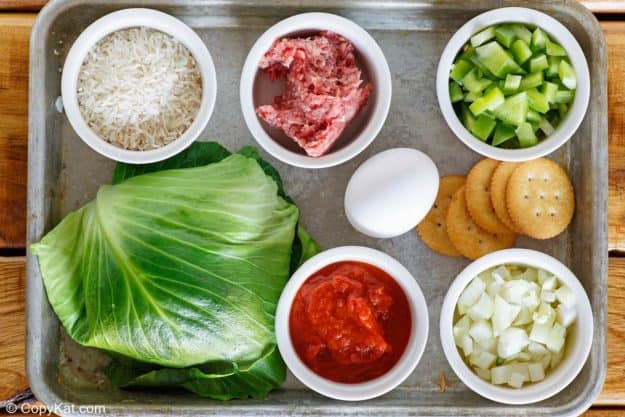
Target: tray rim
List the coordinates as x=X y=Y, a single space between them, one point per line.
x=37 y=300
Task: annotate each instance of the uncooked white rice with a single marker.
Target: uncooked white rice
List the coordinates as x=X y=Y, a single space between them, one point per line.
x=139 y=88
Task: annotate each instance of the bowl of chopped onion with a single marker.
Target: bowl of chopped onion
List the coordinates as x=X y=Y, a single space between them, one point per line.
x=138 y=86
x=516 y=326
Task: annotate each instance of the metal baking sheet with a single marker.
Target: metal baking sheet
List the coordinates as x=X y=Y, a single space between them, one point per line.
x=64 y=174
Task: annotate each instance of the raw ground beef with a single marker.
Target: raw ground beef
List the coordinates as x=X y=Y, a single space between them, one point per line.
x=322 y=93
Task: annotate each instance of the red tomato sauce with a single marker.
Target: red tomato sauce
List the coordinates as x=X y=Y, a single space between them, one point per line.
x=350 y=322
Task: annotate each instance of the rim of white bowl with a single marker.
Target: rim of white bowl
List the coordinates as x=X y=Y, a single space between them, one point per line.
x=416 y=344
x=124 y=19
x=379 y=76
x=558 y=32
x=574 y=357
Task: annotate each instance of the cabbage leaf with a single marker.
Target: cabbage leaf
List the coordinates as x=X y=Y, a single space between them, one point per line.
x=177 y=272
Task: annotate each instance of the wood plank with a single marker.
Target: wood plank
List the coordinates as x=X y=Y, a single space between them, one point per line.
x=605 y=6
x=21 y=5
x=13 y=379
x=604 y=412
x=615 y=38
x=14 y=38
x=613 y=392
x=12 y=370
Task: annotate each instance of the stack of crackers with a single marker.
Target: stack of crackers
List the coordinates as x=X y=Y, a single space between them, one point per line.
x=486 y=210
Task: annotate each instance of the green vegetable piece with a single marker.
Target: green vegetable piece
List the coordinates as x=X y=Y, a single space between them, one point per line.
x=563 y=109
x=533 y=116
x=546 y=127
x=522 y=32
x=532 y=80
x=455 y=92
x=475 y=60
x=512 y=83
x=502 y=134
x=535 y=125
x=554 y=64
x=521 y=51
x=567 y=75
x=206 y=380
x=467 y=118
x=471 y=97
x=525 y=134
x=539 y=63
x=505 y=35
x=483 y=36
x=474 y=83
x=511 y=144
x=497 y=60
x=514 y=109
x=537 y=101
x=553 y=49
x=495 y=84
x=549 y=90
x=489 y=101
x=539 y=40
x=483 y=127
x=564 y=96
x=467 y=52
x=460 y=68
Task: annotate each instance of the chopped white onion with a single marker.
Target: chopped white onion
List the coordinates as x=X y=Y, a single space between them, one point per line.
x=483 y=309
x=467 y=345
x=536 y=348
x=537 y=373
x=513 y=291
x=503 y=315
x=481 y=330
x=482 y=373
x=511 y=341
x=566 y=297
x=472 y=293
x=512 y=324
x=550 y=283
x=566 y=316
x=548 y=296
x=516 y=380
x=542 y=276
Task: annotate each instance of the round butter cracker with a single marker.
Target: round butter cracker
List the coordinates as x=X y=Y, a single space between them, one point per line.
x=470 y=240
x=498 y=184
x=432 y=230
x=540 y=198
x=479 y=200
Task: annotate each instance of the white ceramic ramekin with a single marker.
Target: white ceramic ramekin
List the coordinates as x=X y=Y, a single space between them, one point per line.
x=416 y=343
x=560 y=34
x=374 y=63
x=134 y=18
x=578 y=340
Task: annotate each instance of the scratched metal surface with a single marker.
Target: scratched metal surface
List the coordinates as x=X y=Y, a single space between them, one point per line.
x=64 y=174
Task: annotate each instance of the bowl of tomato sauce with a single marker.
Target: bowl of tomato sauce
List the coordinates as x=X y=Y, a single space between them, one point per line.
x=352 y=323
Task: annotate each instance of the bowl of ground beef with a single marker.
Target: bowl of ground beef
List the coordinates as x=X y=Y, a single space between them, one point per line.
x=315 y=90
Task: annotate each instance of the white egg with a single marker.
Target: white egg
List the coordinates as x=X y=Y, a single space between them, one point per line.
x=391 y=192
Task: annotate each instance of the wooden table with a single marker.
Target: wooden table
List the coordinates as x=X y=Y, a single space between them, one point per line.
x=14 y=34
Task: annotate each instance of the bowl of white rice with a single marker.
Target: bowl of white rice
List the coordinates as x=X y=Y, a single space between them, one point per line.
x=138 y=86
